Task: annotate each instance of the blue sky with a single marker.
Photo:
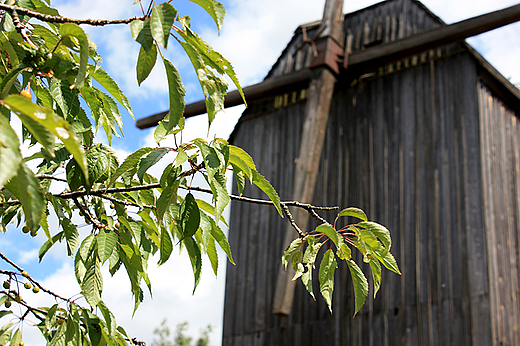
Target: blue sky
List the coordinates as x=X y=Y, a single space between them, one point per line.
x=254 y=34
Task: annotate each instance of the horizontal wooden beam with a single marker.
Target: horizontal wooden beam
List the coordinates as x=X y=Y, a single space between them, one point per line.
x=362 y=59
x=269 y=87
x=434 y=38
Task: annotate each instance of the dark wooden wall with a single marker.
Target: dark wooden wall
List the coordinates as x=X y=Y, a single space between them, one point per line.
x=500 y=143
x=405 y=148
x=425 y=148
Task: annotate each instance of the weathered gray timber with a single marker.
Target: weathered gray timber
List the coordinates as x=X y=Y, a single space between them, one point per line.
x=428 y=146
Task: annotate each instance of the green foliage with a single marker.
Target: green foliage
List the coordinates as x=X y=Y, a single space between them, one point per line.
x=370 y=238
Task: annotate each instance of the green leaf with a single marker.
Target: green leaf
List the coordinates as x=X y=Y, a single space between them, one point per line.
x=145 y=63
x=166 y=246
x=181 y=158
x=130 y=163
x=376 y=274
x=330 y=232
x=26 y=188
x=241 y=181
x=327 y=267
x=220 y=196
x=344 y=252
x=215 y=9
x=176 y=94
x=360 y=285
x=307 y=280
x=195 y=258
x=106 y=243
x=291 y=250
x=109 y=318
x=141 y=33
x=48 y=244
x=388 y=261
x=268 y=189
x=220 y=237
x=71 y=235
x=69 y=29
x=190 y=216
x=212 y=254
x=297 y=259
x=161 y=22
x=111 y=86
x=17 y=338
x=52 y=122
x=208 y=208
x=168 y=197
x=10 y=157
x=92 y=283
x=8 y=80
x=149 y=160
x=380 y=231
x=354 y=212
x=239 y=166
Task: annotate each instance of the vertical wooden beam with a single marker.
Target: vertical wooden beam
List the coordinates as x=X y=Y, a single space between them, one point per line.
x=317 y=109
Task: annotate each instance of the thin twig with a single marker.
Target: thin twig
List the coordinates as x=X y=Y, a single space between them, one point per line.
x=60 y=19
x=316 y=216
x=291 y=220
x=120 y=201
x=86 y=212
x=28 y=277
x=48 y=176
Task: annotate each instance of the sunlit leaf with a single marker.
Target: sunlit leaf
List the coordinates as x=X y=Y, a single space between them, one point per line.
x=69 y=29
x=166 y=246
x=149 y=160
x=354 y=212
x=10 y=157
x=111 y=86
x=376 y=274
x=145 y=63
x=57 y=125
x=330 y=232
x=360 y=285
x=161 y=22
x=26 y=188
x=327 y=267
x=268 y=189
x=290 y=250
x=141 y=33
x=215 y=9
x=106 y=242
x=380 y=231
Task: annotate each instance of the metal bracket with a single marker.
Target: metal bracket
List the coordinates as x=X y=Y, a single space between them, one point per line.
x=330 y=54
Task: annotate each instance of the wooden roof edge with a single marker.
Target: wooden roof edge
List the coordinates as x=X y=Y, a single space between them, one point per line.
x=496 y=81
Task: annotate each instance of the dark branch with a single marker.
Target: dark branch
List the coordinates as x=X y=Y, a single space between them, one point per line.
x=48 y=176
x=59 y=19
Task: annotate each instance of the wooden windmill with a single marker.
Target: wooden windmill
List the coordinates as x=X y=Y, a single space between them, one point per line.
x=418 y=120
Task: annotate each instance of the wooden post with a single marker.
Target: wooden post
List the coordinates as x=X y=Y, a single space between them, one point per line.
x=317 y=109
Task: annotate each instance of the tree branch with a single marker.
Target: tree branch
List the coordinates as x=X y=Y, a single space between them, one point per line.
x=60 y=19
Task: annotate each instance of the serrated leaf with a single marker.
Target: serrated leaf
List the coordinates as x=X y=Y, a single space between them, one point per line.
x=149 y=160
x=380 y=231
x=291 y=250
x=307 y=280
x=376 y=274
x=268 y=189
x=106 y=243
x=161 y=22
x=17 y=338
x=239 y=166
x=220 y=237
x=130 y=163
x=166 y=247
x=71 y=235
x=360 y=285
x=26 y=188
x=344 y=252
x=141 y=33
x=211 y=251
x=10 y=157
x=145 y=63
x=176 y=93
x=181 y=157
x=167 y=197
x=215 y=9
x=220 y=196
x=330 y=232
x=111 y=86
x=208 y=208
x=327 y=267
x=48 y=244
x=52 y=122
x=92 y=283
x=354 y=212
x=109 y=318
x=69 y=29
x=190 y=216
x=388 y=261
x=195 y=258
x=298 y=271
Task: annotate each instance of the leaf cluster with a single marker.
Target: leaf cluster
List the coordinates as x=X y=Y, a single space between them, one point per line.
x=368 y=237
